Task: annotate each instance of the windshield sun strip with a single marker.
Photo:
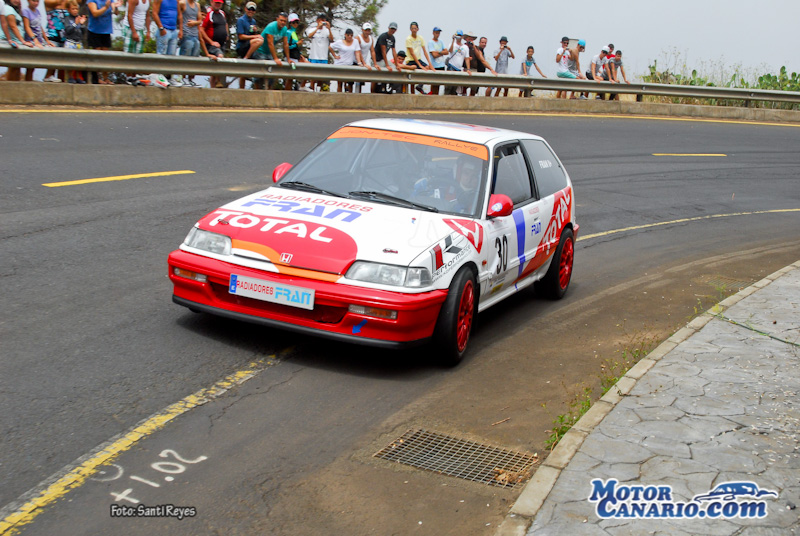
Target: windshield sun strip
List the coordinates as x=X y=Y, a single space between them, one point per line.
x=473 y=149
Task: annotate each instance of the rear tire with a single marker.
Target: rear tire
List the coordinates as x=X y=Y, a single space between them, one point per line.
x=556 y=281
x=457 y=318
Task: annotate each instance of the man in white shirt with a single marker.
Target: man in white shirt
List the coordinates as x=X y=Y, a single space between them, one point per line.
x=321 y=37
x=458 y=59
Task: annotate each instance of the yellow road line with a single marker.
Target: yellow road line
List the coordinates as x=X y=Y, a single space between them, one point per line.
x=685 y=220
x=107 y=452
x=117 y=178
x=688 y=154
x=565 y=114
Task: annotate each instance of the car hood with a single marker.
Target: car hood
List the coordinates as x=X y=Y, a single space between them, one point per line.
x=326 y=234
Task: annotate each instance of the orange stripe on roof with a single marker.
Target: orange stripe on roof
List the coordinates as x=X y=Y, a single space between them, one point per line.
x=472 y=149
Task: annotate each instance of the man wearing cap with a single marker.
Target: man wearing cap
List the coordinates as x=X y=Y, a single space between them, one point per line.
x=501 y=56
x=367 y=43
x=415 y=49
x=383 y=45
x=458 y=56
x=214 y=35
x=574 y=63
x=438 y=55
x=321 y=37
x=477 y=57
x=597 y=69
x=248 y=37
x=562 y=64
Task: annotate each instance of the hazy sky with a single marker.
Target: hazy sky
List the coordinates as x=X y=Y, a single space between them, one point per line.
x=708 y=35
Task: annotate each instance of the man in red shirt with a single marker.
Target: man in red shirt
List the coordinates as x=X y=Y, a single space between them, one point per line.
x=214 y=36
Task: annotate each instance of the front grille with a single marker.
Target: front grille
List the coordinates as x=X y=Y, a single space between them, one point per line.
x=324 y=314
x=460 y=458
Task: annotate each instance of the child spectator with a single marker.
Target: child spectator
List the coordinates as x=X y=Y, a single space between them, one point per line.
x=526 y=70
x=56 y=13
x=501 y=57
x=74 y=25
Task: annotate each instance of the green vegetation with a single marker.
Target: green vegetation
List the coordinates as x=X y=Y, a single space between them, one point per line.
x=718 y=74
x=611 y=370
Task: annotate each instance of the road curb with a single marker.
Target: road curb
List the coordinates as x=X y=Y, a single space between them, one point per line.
x=91 y=95
x=536 y=491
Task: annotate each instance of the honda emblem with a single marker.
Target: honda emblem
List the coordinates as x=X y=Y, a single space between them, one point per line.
x=286 y=258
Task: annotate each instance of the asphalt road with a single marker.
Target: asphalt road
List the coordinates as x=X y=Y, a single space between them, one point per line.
x=90 y=343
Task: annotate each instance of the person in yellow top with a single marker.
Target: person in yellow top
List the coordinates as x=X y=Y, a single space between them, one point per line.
x=417 y=52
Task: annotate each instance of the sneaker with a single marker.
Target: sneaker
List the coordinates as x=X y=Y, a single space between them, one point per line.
x=307 y=89
x=583 y=97
x=52 y=78
x=419 y=88
x=72 y=81
x=189 y=83
x=175 y=81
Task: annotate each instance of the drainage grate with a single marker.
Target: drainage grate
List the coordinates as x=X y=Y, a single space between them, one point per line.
x=723 y=282
x=460 y=458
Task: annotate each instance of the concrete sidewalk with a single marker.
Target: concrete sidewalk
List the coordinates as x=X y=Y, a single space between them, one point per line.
x=717 y=402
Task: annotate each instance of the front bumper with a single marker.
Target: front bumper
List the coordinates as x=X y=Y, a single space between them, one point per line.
x=416 y=313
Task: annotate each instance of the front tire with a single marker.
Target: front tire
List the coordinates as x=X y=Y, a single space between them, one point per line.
x=556 y=281
x=457 y=317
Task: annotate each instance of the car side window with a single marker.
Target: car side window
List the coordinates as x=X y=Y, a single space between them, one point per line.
x=511 y=174
x=547 y=172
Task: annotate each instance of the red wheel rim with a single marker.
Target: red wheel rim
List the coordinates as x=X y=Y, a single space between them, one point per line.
x=565 y=266
x=466 y=309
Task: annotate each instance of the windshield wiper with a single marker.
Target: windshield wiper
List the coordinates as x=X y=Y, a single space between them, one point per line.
x=391 y=200
x=304 y=186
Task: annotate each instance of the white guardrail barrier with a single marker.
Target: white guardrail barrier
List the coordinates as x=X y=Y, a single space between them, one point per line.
x=91 y=60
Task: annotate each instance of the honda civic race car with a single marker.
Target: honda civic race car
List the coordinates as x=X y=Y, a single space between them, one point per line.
x=391 y=232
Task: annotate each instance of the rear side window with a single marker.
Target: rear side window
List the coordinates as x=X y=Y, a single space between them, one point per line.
x=547 y=172
x=511 y=175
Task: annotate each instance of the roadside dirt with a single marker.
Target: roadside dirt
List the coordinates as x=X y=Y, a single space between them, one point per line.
x=507 y=395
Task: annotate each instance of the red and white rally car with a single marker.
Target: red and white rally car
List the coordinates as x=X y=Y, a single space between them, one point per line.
x=391 y=232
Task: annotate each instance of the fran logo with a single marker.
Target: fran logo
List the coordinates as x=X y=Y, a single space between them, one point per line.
x=286 y=258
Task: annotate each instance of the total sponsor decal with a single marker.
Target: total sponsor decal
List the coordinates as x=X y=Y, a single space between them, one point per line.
x=472 y=230
x=328 y=209
x=622 y=501
x=312 y=245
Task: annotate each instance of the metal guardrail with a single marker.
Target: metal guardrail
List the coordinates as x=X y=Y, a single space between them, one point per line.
x=91 y=60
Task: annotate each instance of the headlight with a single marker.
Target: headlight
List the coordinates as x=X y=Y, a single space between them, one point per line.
x=208 y=241
x=387 y=274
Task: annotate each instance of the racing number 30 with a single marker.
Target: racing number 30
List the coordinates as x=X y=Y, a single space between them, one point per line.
x=502 y=254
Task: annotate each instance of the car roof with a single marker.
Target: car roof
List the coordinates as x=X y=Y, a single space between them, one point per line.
x=444 y=129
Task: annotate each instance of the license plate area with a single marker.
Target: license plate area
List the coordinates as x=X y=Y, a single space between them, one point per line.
x=259 y=289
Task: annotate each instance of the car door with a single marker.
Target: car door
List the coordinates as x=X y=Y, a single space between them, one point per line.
x=555 y=201
x=513 y=239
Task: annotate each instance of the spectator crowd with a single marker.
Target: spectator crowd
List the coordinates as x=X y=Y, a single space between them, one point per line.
x=183 y=27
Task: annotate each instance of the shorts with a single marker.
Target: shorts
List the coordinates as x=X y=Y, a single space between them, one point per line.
x=128 y=44
x=440 y=68
x=382 y=64
x=323 y=62
x=294 y=53
x=95 y=40
x=566 y=74
x=215 y=51
x=69 y=43
x=419 y=63
x=261 y=55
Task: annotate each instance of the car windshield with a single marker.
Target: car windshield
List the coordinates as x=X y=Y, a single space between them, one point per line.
x=419 y=173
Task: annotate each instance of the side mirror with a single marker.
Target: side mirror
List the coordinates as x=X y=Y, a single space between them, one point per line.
x=499 y=205
x=280 y=170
